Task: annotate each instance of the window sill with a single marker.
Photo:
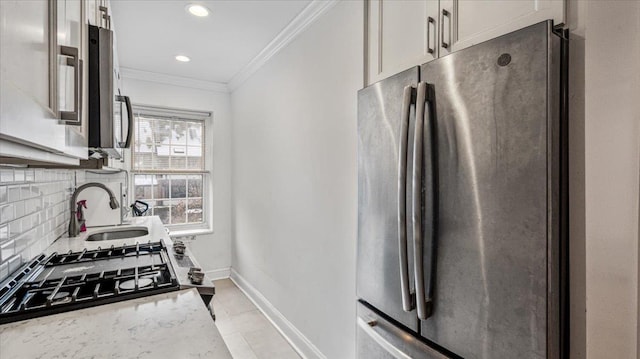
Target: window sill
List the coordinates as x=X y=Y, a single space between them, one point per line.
x=189 y=232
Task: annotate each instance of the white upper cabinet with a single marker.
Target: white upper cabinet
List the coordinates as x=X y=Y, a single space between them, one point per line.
x=405 y=33
x=402 y=33
x=27 y=106
x=42 y=83
x=468 y=22
x=72 y=75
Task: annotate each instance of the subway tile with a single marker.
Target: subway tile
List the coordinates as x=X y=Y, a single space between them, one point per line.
x=80 y=176
x=3 y=194
x=25 y=223
x=25 y=192
x=15 y=228
x=4 y=270
x=31 y=206
x=18 y=175
x=4 y=233
x=6 y=213
x=39 y=175
x=33 y=212
x=6 y=175
x=7 y=250
x=25 y=241
x=29 y=175
x=19 y=209
x=15 y=263
x=36 y=190
x=13 y=193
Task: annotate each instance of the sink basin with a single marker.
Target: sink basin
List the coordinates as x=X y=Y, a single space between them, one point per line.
x=118 y=233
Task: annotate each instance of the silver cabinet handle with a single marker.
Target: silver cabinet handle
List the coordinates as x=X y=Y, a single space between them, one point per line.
x=446 y=14
x=430 y=21
x=105 y=16
x=407 y=304
x=73 y=117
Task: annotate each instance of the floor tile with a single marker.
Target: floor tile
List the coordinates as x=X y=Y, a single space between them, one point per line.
x=242 y=322
x=239 y=347
x=268 y=343
x=246 y=331
x=224 y=283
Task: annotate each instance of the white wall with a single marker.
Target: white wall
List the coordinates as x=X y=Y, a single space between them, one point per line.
x=295 y=179
x=607 y=33
x=213 y=251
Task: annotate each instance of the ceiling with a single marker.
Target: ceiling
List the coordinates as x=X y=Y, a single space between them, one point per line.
x=151 y=33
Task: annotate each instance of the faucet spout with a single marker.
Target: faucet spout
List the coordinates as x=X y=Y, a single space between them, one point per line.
x=73 y=221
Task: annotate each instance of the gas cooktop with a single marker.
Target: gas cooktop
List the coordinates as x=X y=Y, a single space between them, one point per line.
x=64 y=282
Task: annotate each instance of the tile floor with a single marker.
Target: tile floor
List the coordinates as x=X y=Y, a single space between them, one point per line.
x=245 y=330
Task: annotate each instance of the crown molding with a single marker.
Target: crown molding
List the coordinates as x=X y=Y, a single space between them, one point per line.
x=172 y=80
x=301 y=22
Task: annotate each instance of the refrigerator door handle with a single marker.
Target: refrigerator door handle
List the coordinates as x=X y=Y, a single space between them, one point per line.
x=368 y=328
x=423 y=304
x=407 y=302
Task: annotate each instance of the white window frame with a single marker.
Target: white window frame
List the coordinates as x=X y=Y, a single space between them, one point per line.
x=207 y=182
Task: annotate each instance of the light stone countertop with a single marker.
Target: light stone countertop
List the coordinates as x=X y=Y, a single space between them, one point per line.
x=169 y=325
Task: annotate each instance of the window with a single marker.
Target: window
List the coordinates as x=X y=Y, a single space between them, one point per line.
x=168 y=165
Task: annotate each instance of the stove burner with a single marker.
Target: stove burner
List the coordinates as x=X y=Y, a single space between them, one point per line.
x=131 y=283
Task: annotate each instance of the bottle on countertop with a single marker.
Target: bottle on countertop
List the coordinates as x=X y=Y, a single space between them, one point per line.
x=80 y=214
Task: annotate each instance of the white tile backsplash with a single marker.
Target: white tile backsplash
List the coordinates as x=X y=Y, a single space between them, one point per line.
x=34 y=209
x=33 y=213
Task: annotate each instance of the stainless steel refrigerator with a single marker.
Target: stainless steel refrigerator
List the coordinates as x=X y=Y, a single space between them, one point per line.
x=462 y=245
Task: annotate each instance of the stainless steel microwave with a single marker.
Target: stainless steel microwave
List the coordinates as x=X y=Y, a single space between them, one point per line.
x=109 y=111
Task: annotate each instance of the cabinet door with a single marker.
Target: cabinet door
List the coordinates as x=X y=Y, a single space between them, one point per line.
x=401 y=34
x=468 y=22
x=72 y=33
x=27 y=112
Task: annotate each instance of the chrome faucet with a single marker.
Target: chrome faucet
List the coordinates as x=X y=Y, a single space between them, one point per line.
x=73 y=222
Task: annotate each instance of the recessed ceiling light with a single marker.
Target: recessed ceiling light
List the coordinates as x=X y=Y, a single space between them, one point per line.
x=197 y=10
x=182 y=58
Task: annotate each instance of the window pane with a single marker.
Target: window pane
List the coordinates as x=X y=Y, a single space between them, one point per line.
x=194 y=136
x=161 y=188
x=178 y=187
x=178 y=162
x=162 y=132
x=194 y=163
x=179 y=134
x=194 y=210
x=169 y=144
x=143 y=161
x=162 y=212
x=178 y=212
x=195 y=186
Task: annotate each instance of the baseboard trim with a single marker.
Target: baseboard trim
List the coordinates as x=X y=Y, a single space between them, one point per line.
x=220 y=273
x=298 y=341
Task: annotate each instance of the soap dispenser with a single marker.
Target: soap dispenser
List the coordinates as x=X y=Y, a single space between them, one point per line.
x=80 y=214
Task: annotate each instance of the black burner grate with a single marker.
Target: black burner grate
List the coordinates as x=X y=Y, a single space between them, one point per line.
x=75 y=280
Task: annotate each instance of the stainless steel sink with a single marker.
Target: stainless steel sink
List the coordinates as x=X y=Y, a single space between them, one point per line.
x=118 y=233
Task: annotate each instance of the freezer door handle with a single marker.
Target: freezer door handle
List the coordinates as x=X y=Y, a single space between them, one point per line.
x=407 y=304
x=370 y=330
x=423 y=304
